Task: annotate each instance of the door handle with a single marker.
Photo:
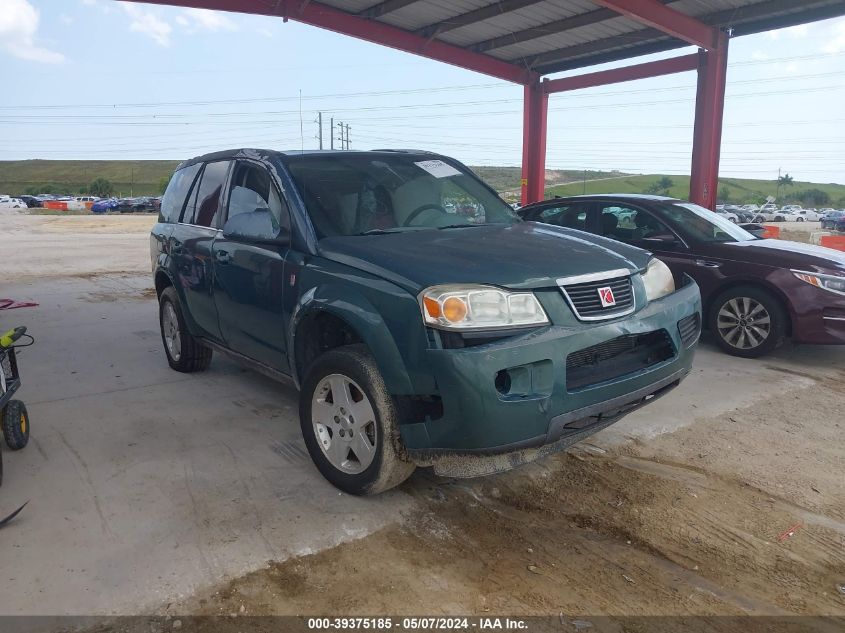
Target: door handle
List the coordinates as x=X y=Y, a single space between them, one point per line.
x=222 y=257
x=707 y=263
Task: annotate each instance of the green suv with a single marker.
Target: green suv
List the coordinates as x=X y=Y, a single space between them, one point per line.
x=424 y=323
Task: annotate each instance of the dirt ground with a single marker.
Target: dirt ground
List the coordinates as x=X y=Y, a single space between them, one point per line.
x=54 y=246
x=741 y=513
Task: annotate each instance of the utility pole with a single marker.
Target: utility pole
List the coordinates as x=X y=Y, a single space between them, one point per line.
x=344 y=134
x=331 y=134
x=320 y=128
x=585 y=181
x=777 y=191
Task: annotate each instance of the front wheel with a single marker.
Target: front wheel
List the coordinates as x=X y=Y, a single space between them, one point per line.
x=748 y=322
x=350 y=423
x=799 y=219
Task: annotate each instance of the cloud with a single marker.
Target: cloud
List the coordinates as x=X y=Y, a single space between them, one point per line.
x=148 y=23
x=836 y=44
x=18 y=26
x=265 y=32
x=89 y=3
x=796 y=32
x=66 y=19
x=759 y=56
x=205 y=20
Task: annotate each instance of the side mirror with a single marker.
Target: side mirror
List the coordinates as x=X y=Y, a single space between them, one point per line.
x=257 y=227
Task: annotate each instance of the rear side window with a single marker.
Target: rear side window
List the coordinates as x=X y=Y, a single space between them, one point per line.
x=204 y=208
x=174 y=196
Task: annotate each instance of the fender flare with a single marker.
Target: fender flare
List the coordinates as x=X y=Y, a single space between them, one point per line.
x=365 y=320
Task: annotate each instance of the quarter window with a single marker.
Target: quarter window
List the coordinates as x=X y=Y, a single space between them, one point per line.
x=174 y=196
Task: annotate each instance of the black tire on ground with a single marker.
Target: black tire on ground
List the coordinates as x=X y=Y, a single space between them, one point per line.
x=192 y=355
x=777 y=315
x=15 y=425
x=390 y=467
x=800 y=219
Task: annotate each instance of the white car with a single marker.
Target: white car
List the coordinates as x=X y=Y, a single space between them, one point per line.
x=7 y=202
x=808 y=215
x=728 y=215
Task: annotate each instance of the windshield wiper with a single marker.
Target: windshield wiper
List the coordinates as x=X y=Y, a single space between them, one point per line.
x=383 y=231
x=457 y=226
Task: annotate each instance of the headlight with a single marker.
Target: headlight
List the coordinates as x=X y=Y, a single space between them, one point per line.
x=825 y=282
x=468 y=307
x=658 y=280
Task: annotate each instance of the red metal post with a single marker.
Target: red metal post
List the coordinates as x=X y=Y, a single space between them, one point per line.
x=534 y=126
x=709 y=113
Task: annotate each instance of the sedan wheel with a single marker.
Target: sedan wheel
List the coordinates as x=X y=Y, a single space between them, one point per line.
x=748 y=321
x=744 y=323
x=170 y=331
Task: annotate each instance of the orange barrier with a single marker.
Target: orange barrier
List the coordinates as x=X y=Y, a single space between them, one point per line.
x=833 y=241
x=57 y=205
x=771 y=232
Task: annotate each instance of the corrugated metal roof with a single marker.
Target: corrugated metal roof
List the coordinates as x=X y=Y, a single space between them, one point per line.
x=547 y=36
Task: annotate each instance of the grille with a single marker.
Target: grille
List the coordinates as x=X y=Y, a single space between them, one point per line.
x=585 y=301
x=617 y=357
x=689 y=329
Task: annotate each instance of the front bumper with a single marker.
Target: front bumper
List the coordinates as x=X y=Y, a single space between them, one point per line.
x=478 y=418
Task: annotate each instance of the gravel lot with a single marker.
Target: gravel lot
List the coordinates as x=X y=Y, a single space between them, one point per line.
x=153 y=492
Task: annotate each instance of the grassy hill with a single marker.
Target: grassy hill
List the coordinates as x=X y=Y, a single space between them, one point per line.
x=140 y=177
x=508 y=178
x=144 y=177
x=740 y=190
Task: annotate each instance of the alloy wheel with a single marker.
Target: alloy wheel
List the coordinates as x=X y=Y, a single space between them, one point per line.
x=744 y=323
x=170 y=329
x=344 y=423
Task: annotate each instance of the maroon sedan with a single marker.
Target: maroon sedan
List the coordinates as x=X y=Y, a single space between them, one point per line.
x=755 y=292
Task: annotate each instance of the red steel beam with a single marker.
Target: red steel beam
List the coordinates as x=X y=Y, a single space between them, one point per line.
x=670 y=21
x=534 y=131
x=323 y=16
x=707 y=134
x=628 y=73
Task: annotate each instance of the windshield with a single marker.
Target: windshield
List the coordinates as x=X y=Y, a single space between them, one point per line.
x=375 y=193
x=703 y=224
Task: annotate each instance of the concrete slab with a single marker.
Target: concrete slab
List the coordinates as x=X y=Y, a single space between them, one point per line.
x=147 y=485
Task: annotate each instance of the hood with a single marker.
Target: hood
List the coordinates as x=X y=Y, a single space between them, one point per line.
x=522 y=255
x=783 y=254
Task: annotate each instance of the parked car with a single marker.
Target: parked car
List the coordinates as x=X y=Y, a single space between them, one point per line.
x=732 y=217
x=105 y=205
x=413 y=334
x=7 y=202
x=840 y=224
x=807 y=215
x=829 y=221
x=31 y=201
x=755 y=292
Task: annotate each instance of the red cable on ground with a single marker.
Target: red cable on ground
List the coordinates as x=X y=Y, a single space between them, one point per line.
x=11 y=304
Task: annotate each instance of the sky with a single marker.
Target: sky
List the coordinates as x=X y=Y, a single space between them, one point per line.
x=102 y=79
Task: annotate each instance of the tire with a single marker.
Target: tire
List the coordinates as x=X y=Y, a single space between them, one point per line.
x=381 y=464
x=184 y=352
x=799 y=219
x=748 y=338
x=16 y=425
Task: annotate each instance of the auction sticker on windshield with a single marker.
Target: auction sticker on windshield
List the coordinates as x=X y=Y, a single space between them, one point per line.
x=438 y=168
